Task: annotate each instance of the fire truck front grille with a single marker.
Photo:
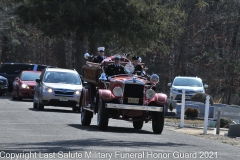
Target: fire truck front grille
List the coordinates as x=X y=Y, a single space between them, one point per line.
x=133 y=91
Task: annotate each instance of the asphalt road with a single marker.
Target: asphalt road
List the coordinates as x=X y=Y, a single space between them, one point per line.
x=56 y=133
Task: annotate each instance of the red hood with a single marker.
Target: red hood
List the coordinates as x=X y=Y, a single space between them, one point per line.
x=29 y=83
x=124 y=78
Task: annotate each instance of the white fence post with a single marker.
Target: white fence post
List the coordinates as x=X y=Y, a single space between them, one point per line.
x=206 y=115
x=218 y=121
x=182 y=109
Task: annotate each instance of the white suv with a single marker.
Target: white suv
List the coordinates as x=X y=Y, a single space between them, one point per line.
x=58 y=87
x=191 y=85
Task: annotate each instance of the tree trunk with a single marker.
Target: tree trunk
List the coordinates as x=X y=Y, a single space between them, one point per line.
x=59 y=52
x=81 y=48
x=93 y=47
x=68 y=52
x=5 y=49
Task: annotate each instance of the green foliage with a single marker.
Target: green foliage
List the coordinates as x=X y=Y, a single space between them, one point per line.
x=135 y=26
x=177 y=37
x=202 y=4
x=224 y=122
x=170 y=107
x=201 y=97
x=192 y=112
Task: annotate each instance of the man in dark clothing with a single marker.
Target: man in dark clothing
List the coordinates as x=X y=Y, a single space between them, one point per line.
x=114 y=68
x=100 y=57
x=138 y=68
x=97 y=59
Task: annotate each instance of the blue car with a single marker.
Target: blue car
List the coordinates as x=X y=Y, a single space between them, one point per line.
x=3 y=85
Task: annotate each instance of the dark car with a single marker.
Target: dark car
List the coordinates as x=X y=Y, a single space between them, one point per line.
x=24 y=85
x=3 y=85
x=12 y=70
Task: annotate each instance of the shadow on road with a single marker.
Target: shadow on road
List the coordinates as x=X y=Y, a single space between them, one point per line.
x=110 y=129
x=53 y=110
x=10 y=99
x=24 y=100
x=81 y=145
x=6 y=97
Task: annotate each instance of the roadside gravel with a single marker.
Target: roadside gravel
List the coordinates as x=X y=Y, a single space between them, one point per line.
x=195 y=128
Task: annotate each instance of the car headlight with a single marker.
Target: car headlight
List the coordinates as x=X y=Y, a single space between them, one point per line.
x=117 y=91
x=77 y=92
x=50 y=90
x=47 y=89
x=150 y=93
x=154 y=79
x=24 y=86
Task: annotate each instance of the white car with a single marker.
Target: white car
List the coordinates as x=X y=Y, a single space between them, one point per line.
x=191 y=85
x=58 y=87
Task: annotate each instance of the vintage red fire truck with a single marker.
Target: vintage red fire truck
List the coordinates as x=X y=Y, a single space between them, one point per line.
x=125 y=97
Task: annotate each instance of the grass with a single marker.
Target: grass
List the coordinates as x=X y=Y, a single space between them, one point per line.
x=192 y=122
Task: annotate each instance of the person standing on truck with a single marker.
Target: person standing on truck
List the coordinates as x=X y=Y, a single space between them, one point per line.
x=97 y=59
x=100 y=57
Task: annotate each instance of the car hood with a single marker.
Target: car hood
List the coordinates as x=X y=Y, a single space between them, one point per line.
x=63 y=86
x=1 y=77
x=29 y=83
x=188 y=88
x=127 y=79
x=10 y=77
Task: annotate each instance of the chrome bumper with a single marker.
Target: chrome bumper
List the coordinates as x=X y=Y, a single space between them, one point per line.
x=134 y=107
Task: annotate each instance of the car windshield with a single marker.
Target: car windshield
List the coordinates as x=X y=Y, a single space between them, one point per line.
x=30 y=76
x=62 y=77
x=187 y=82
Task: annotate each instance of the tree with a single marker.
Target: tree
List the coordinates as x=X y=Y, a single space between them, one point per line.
x=127 y=25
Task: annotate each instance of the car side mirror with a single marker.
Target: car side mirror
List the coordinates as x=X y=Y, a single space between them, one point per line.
x=205 y=86
x=38 y=80
x=16 y=79
x=169 y=84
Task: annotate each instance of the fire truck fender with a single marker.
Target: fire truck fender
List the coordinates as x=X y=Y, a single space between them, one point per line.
x=160 y=98
x=106 y=95
x=85 y=97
